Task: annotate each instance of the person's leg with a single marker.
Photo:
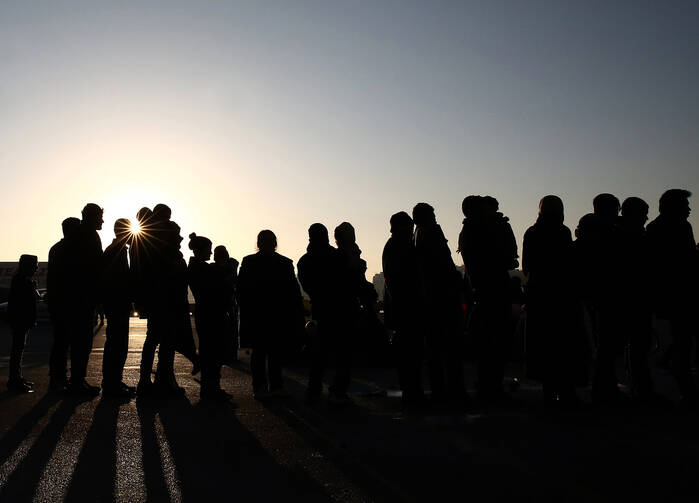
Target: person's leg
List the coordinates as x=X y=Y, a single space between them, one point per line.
x=115 y=348
x=258 y=364
x=58 y=358
x=80 y=348
x=343 y=360
x=148 y=353
x=319 y=356
x=274 y=369
x=19 y=338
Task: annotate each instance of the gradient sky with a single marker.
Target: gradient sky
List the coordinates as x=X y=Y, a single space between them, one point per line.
x=250 y=115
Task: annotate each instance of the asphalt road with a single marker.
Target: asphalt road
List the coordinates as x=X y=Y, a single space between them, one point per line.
x=61 y=448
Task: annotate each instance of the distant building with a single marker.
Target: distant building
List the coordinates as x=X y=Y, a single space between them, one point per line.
x=379 y=284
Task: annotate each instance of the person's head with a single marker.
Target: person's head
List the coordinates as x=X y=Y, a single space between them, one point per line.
x=635 y=210
x=266 y=241
x=490 y=205
x=471 y=206
x=551 y=209
x=318 y=234
x=144 y=215
x=675 y=203
x=122 y=229
x=606 y=206
x=70 y=226
x=221 y=254
x=344 y=234
x=162 y=212
x=401 y=224
x=92 y=216
x=201 y=246
x=586 y=226
x=423 y=214
x=28 y=265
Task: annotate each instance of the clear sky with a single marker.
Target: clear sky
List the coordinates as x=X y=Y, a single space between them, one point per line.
x=250 y=115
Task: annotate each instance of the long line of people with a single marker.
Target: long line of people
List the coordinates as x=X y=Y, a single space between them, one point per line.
x=588 y=299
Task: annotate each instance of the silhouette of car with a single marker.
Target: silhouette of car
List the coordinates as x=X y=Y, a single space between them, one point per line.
x=42 y=308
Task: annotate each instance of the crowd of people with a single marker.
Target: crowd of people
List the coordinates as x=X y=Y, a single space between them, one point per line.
x=625 y=274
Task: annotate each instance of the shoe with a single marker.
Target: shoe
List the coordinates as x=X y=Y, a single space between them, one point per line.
x=83 y=388
x=117 y=392
x=18 y=385
x=126 y=387
x=144 y=387
x=196 y=368
x=28 y=383
x=167 y=390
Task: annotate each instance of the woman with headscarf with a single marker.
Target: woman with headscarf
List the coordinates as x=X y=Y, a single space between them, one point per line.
x=554 y=339
x=271 y=313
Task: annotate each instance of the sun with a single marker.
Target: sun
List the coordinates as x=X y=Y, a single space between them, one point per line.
x=135 y=228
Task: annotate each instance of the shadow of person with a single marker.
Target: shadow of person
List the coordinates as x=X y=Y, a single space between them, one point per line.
x=153 y=475
x=216 y=457
x=94 y=476
x=22 y=428
x=22 y=483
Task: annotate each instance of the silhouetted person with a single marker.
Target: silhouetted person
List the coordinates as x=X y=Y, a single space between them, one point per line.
x=555 y=342
x=210 y=316
x=635 y=299
x=21 y=306
x=169 y=303
x=489 y=251
x=674 y=269
x=58 y=293
x=85 y=259
x=271 y=313
x=440 y=283
x=325 y=276
x=117 y=297
x=604 y=262
x=403 y=307
x=142 y=256
x=227 y=268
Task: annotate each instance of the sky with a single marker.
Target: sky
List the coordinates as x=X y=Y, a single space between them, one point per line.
x=243 y=116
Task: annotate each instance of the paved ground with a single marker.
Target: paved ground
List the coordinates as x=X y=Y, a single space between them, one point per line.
x=56 y=448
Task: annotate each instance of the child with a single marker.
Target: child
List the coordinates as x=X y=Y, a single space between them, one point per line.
x=22 y=314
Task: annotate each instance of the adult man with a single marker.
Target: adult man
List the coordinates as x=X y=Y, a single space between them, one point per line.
x=58 y=286
x=674 y=267
x=117 y=296
x=84 y=256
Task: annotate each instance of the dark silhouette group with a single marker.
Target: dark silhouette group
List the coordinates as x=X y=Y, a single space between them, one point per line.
x=589 y=299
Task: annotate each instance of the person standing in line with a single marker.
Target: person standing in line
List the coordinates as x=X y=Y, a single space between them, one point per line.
x=85 y=262
x=58 y=286
x=555 y=342
x=489 y=252
x=209 y=316
x=441 y=286
x=117 y=296
x=21 y=306
x=403 y=308
x=271 y=313
x=325 y=277
x=674 y=264
x=227 y=269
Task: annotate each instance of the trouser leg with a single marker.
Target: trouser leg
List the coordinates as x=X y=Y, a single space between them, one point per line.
x=58 y=358
x=640 y=342
x=319 y=356
x=148 y=351
x=604 y=384
x=343 y=360
x=115 y=348
x=80 y=348
x=19 y=339
x=681 y=359
x=274 y=368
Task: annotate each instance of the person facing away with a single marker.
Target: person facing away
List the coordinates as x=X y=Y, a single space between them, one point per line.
x=635 y=299
x=604 y=264
x=58 y=291
x=403 y=307
x=227 y=269
x=21 y=306
x=440 y=284
x=84 y=251
x=271 y=313
x=674 y=266
x=117 y=298
x=325 y=276
x=555 y=343
x=210 y=316
x=489 y=252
